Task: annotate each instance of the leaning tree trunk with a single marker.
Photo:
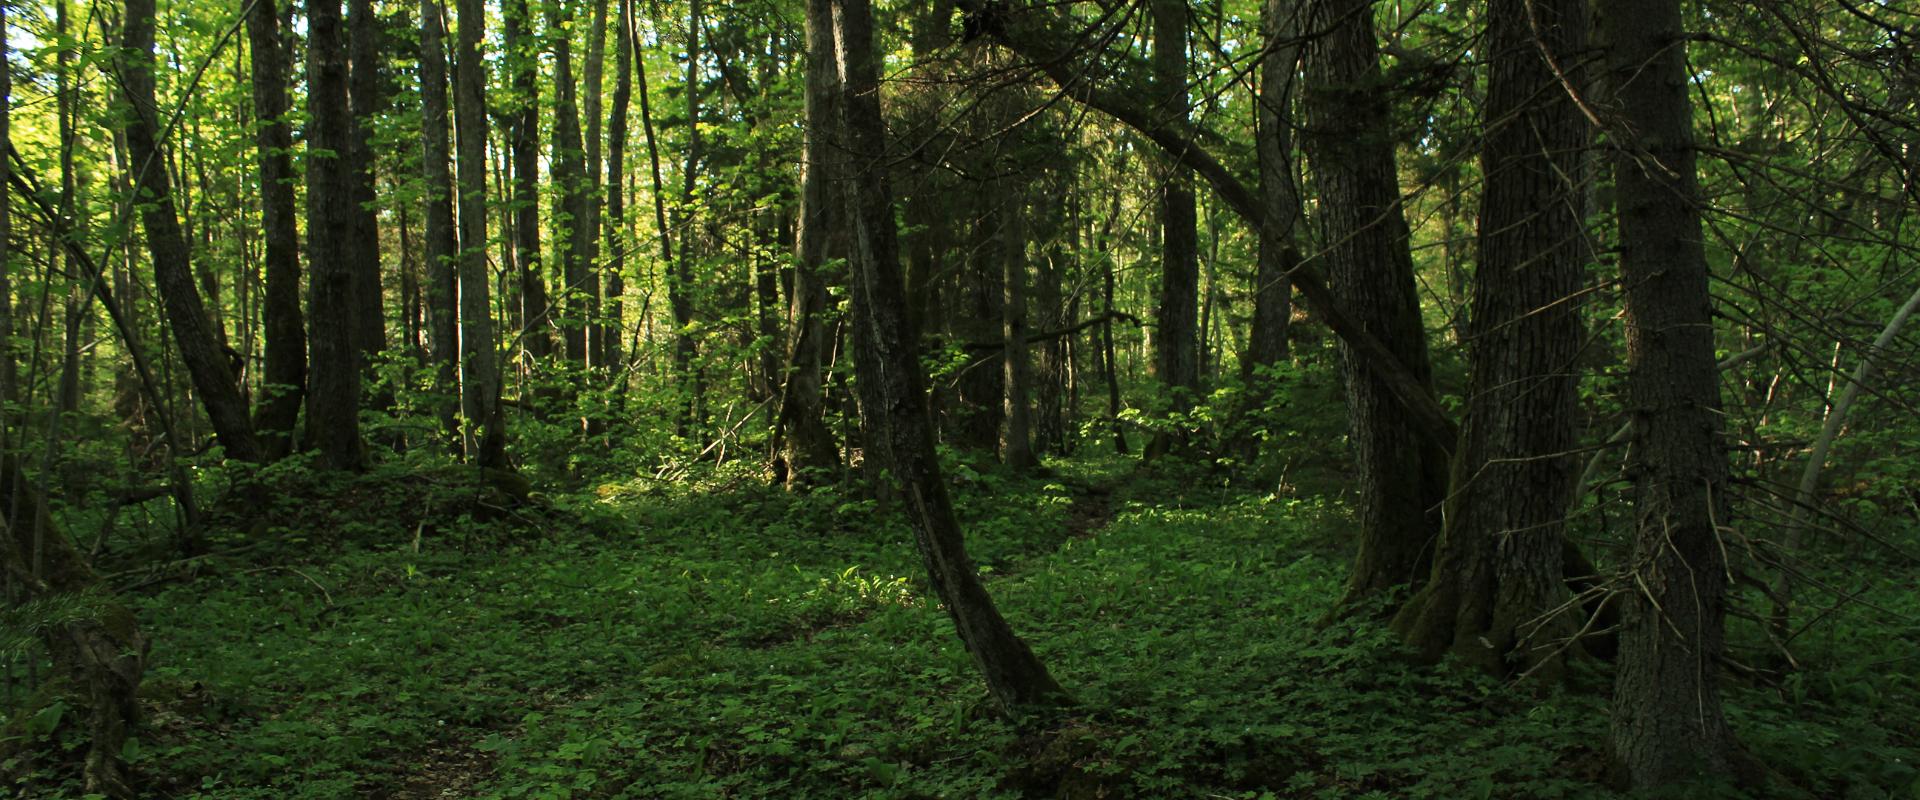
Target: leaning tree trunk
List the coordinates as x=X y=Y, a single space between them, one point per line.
x=1497 y=595
x=333 y=399
x=1668 y=727
x=1175 y=359
x=893 y=387
x=443 y=286
x=285 y=379
x=101 y=655
x=200 y=349
x=807 y=445
x=1402 y=476
x=486 y=440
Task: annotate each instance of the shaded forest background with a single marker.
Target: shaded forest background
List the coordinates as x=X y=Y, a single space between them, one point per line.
x=413 y=400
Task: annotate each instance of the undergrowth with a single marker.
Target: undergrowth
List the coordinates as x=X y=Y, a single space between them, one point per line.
x=404 y=638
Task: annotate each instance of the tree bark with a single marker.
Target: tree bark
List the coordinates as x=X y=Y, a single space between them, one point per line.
x=680 y=287
x=893 y=387
x=207 y=365
x=569 y=171
x=1668 y=727
x=524 y=133
x=442 y=244
x=1272 y=285
x=486 y=441
x=369 y=308
x=284 y=383
x=1401 y=475
x=611 y=323
x=333 y=398
x=590 y=254
x=1497 y=594
x=1175 y=359
x=1016 y=432
x=808 y=449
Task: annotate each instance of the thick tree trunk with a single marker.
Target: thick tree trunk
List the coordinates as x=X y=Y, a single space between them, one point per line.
x=1668 y=727
x=207 y=365
x=1175 y=359
x=1402 y=476
x=808 y=449
x=893 y=387
x=486 y=442
x=1496 y=596
x=284 y=384
x=443 y=285
x=333 y=398
x=524 y=133
x=369 y=308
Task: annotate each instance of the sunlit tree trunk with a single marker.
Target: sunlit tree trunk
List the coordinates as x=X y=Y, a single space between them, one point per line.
x=808 y=448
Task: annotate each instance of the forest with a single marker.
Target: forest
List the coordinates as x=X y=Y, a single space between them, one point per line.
x=959 y=399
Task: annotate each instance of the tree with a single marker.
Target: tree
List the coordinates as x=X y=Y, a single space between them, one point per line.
x=367 y=98
x=442 y=244
x=572 y=236
x=893 y=388
x=333 y=396
x=1402 y=474
x=523 y=135
x=807 y=446
x=200 y=349
x=284 y=384
x=1176 y=359
x=1668 y=726
x=486 y=439
x=1497 y=591
x=1273 y=141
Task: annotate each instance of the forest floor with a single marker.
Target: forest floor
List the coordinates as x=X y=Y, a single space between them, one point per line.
x=722 y=639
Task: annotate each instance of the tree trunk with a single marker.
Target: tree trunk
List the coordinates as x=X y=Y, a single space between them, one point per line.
x=284 y=383
x=486 y=442
x=611 y=323
x=524 y=131
x=9 y=365
x=333 y=399
x=571 y=235
x=1497 y=594
x=807 y=446
x=443 y=287
x=1272 y=289
x=1175 y=361
x=369 y=310
x=1402 y=476
x=207 y=365
x=1016 y=434
x=893 y=387
x=680 y=288
x=1668 y=727
x=590 y=254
